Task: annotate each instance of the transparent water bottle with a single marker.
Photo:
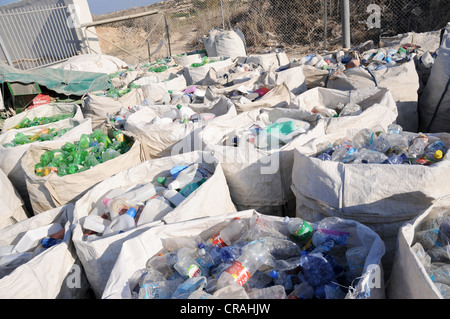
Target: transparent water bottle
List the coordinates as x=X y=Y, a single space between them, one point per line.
x=254 y=255
x=356 y=258
x=302 y=291
x=228 y=235
x=417 y=148
x=366 y=156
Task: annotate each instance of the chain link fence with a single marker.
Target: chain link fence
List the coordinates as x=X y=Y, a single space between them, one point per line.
x=296 y=26
x=134 y=40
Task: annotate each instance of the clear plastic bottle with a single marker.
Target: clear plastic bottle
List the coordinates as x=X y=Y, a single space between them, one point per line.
x=122 y=222
x=254 y=255
x=273 y=292
x=302 y=291
x=351 y=109
x=189 y=264
x=356 y=258
x=192 y=284
x=417 y=148
x=228 y=235
x=300 y=229
x=366 y=156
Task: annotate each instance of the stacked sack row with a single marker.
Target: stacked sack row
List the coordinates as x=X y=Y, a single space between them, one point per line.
x=216 y=174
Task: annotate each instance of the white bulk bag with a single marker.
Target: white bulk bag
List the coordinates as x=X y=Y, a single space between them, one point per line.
x=156 y=90
x=99 y=63
x=196 y=75
x=98 y=255
x=47 y=192
x=278 y=97
x=268 y=61
x=434 y=104
x=225 y=43
x=258 y=178
x=292 y=77
x=401 y=80
x=97 y=107
x=10 y=157
x=55 y=273
x=378 y=107
x=409 y=279
x=159 y=140
x=46 y=110
x=380 y=196
x=137 y=251
x=13 y=210
x=187 y=59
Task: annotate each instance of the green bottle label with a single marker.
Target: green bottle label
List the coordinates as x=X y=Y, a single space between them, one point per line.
x=304 y=232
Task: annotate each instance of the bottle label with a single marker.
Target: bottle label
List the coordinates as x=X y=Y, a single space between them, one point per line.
x=339 y=237
x=193 y=271
x=239 y=272
x=304 y=232
x=217 y=241
x=425 y=161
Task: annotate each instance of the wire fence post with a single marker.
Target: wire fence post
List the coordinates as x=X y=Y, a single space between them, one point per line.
x=345 y=16
x=325 y=14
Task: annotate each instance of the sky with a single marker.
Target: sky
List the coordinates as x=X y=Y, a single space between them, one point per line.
x=106 y=6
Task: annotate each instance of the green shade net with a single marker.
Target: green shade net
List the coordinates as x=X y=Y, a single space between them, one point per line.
x=61 y=81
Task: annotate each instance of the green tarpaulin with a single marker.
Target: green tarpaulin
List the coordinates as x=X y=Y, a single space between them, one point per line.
x=61 y=81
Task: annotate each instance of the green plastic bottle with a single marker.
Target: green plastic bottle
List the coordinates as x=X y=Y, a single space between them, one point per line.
x=72 y=168
x=46 y=158
x=69 y=147
x=91 y=161
x=38 y=169
x=101 y=137
x=85 y=140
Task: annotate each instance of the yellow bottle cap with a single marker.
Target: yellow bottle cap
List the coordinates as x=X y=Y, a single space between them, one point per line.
x=438 y=154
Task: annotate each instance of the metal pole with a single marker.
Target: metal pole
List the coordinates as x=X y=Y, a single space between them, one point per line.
x=325 y=14
x=168 y=35
x=148 y=38
x=223 y=18
x=345 y=17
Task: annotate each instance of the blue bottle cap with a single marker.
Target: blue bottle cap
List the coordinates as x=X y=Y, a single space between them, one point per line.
x=131 y=211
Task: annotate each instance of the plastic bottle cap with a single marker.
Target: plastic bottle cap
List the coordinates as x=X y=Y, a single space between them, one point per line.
x=179 y=106
x=106 y=201
x=273 y=274
x=161 y=180
x=438 y=154
x=131 y=212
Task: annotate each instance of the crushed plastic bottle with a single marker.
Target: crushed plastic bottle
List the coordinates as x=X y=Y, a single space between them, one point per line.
x=374 y=146
x=265 y=259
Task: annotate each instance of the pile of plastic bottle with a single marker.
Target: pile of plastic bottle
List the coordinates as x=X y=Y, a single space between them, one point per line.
x=432 y=247
x=255 y=258
x=265 y=134
x=206 y=60
x=374 y=59
x=47 y=134
x=340 y=110
x=160 y=65
x=90 y=150
x=374 y=146
x=32 y=243
x=26 y=122
x=124 y=209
